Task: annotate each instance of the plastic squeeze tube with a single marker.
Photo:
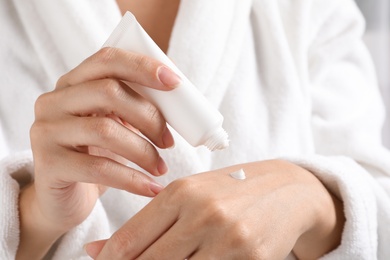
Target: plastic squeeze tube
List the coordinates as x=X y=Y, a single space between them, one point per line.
x=184 y=108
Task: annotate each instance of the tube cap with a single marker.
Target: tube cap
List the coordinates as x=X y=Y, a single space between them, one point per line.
x=218 y=140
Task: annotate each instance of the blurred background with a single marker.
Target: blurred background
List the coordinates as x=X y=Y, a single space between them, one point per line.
x=377 y=38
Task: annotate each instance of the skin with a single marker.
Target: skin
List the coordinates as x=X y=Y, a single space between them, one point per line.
x=80 y=146
x=278 y=208
x=89 y=114
x=156 y=17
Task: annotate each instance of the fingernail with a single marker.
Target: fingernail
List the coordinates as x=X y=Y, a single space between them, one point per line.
x=167 y=138
x=93 y=249
x=161 y=166
x=156 y=188
x=87 y=248
x=168 y=77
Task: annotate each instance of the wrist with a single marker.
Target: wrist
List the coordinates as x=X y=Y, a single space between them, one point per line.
x=319 y=218
x=37 y=234
x=324 y=235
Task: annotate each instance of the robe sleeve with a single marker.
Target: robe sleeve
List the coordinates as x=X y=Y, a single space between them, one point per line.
x=15 y=171
x=347 y=119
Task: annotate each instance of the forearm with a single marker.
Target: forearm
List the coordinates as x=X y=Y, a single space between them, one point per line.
x=36 y=235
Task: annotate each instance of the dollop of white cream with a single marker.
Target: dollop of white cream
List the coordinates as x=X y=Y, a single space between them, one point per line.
x=238 y=175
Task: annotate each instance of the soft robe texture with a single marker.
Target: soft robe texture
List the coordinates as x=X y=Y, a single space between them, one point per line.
x=291 y=77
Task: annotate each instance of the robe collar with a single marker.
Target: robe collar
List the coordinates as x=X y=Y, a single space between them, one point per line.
x=207 y=40
x=205 y=44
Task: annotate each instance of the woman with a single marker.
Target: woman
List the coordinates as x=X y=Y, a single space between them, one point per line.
x=298 y=93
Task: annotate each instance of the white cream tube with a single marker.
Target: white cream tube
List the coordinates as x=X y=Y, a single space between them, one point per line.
x=184 y=107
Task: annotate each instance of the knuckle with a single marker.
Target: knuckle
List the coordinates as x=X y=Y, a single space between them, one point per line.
x=240 y=235
x=110 y=89
x=154 y=115
x=147 y=148
x=183 y=185
x=61 y=82
x=134 y=178
x=218 y=215
x=121 y=243
x=155 y=255
x=252 y=254
x=38 y=130
x=180 y=190
x=140 y=62
x=261 y=253
x=148 y=155
x=98 y=167
x=41 y=104
x=105 y=128
x=152 y=112
x=105 y=55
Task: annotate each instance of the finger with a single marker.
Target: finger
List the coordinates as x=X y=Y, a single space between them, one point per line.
x=80 y=167
x=108 y=134
x=124 y=123
x=141 y=230
x=217 y=249
x=179 y=242
x=123 y=65
x=102 y=189
x=93 y=249
x=108 y=97
x=114 y=97
x=201 y=255
x=93 y=150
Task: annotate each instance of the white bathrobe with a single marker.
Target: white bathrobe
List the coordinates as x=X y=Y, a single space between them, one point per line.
x=291 y=77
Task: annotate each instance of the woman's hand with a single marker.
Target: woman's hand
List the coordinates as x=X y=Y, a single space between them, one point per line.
x=82 y=133
x=277 y=208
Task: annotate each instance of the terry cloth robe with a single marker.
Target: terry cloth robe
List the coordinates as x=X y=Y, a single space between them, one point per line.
x=292 y=79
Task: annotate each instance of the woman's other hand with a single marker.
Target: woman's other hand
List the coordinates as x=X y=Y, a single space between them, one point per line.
x=82 y=133
x=278 y=208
